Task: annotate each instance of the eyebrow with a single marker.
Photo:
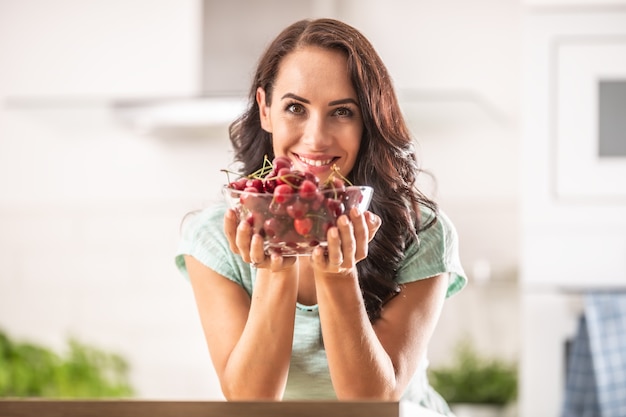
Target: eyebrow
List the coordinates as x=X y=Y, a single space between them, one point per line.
x=332 y=103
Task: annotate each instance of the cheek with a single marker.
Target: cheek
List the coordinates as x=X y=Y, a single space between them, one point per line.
x=282 y=137
x=352 y=148
x=355 y=141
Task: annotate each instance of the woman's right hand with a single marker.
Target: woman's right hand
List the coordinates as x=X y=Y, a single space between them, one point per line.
x=243 y=241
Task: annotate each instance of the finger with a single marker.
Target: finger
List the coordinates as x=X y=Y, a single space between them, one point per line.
x=334 y=257
x=361 y=233
x=373 y=224
x=348 y=244
x=230 y=229
x=278 y=262
x=257 y=251
x=243 y=240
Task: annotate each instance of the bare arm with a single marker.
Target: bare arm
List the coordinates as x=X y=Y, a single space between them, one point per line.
x=371 y=361
x=249 y=338
x=376 y=361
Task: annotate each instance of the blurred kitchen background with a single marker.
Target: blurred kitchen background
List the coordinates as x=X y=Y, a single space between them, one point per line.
x=113 y=125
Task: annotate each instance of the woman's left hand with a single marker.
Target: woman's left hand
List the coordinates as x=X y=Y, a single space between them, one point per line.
x=347 y=242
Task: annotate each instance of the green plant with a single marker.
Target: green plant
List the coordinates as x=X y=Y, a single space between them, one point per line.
x=475 y=379
x=31 y=370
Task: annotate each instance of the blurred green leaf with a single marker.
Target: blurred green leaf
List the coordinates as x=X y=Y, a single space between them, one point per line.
x=475 y=379
x=29 y=370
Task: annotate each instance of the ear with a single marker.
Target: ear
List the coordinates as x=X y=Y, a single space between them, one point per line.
x=264 y=110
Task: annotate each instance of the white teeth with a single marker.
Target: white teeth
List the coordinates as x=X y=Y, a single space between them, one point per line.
x=315 y=162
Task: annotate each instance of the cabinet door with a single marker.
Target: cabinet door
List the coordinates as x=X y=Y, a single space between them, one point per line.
x=89 y=49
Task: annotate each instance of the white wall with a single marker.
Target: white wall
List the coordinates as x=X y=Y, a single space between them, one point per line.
x=89 y=210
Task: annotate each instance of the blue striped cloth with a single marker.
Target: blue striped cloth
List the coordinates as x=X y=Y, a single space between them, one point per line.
x=596 y=371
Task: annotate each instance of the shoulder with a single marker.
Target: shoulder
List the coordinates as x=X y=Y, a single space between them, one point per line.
x=201 y=221
x=203 y=237
x=436 y=252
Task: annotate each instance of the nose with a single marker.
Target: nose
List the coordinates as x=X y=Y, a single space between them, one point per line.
x=316 y=133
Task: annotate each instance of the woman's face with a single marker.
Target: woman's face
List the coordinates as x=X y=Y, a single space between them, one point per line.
x=314 y=116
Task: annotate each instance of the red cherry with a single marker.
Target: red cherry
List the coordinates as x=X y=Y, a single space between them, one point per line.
x=247 y=196
x=303 y=226
x=308 y=189
x=278 y=209
x=283 y=193
x=255 y=183
x=272 y=227
x=269 y=185
x=311 y=177
x=297 y=209
x=296 y=178
x=317 y=201
x=288 y=236
x=239 y=184
x=335 y=207
x=256 y=220
x=336 y=184
x=282 y=175
x=281 y=162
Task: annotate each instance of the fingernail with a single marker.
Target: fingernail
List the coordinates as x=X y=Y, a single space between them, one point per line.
x=356 y=212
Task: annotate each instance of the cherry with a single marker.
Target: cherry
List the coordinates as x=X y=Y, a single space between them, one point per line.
x=248 y=196
x=317 y=201
x=296 y=178
x=308 y=190
x=297 y=209
x=309 y=176
x=281 y=162
x=336 y=184
x=272 y=227
x=255 y=183
x=256 y=220
x=303 y=226
x=269 y=185
x=277 y=209
x=282 y=193
x=282 y=176
x=335 y=207
x=239 y=184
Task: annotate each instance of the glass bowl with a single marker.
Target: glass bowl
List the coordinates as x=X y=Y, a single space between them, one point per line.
x=295 y=224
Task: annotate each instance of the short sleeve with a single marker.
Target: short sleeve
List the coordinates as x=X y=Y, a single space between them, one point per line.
x=203 y=238
x=436 y=252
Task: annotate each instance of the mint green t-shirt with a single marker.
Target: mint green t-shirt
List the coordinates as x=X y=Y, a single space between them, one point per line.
x=309 y=378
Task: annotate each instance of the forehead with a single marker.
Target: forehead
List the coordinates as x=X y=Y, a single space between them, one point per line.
x=314 y=68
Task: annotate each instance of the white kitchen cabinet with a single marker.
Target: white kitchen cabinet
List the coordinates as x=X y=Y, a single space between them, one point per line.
x=75 y=52
x=573 y=193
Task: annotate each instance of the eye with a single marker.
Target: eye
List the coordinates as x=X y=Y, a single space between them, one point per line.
x=295 y=108
x=343 y=112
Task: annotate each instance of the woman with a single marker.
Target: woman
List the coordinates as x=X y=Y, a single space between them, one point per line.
x=354 y=321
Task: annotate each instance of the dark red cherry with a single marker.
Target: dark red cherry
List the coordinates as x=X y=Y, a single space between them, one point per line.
x=283 y=193
x=255 y=183
x=297 y=209
x=335 y=207
x=308 y=190
x=281 y=162
x=239 y=184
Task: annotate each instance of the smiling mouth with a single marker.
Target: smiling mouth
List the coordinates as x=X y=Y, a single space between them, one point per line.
x=316 y=162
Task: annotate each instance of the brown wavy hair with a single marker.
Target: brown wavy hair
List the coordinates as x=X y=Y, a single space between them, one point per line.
x=386 y=159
